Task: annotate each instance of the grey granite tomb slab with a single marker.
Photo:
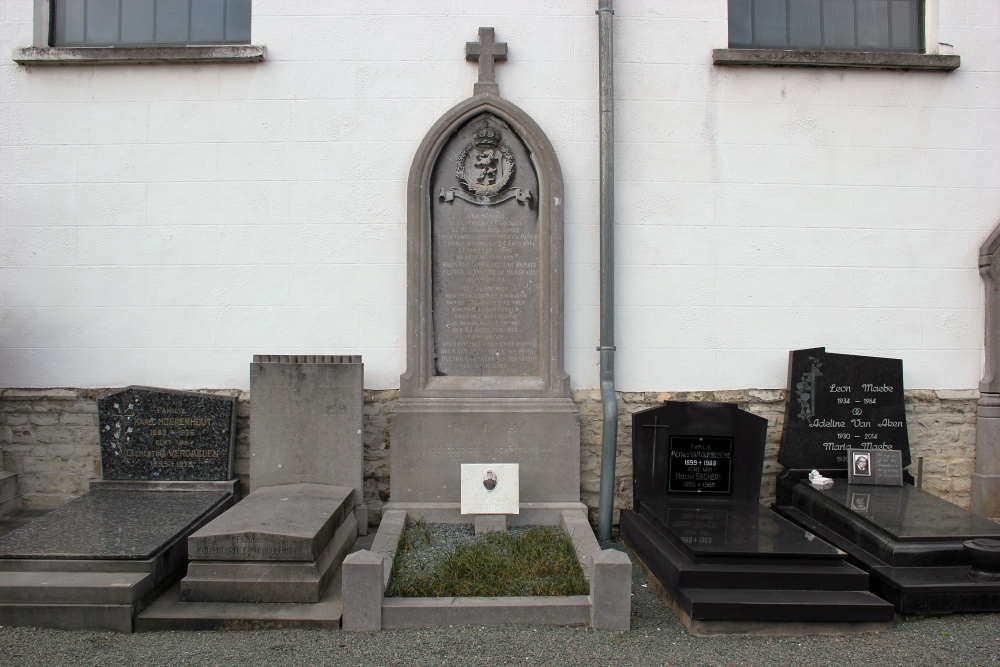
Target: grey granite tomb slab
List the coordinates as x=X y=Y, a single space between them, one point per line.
x=485 y=380
x=307 y=421
x=292 y=522
x=109 y=525
x=161 y=434
x=281 y=544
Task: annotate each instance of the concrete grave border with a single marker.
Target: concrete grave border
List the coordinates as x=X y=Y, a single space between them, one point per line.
x=365 y=577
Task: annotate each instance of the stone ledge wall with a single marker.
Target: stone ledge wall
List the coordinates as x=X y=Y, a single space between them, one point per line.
x=49 y=437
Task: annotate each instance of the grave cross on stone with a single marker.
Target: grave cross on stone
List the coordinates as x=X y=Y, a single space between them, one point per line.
x=655 y=426
x=487 y=52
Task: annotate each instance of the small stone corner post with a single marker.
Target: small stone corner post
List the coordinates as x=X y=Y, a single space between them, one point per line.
x=611 y=591
x=986 y=478
x=362 y=592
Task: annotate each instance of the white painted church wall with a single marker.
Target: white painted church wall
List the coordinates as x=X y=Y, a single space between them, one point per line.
x=160 y=224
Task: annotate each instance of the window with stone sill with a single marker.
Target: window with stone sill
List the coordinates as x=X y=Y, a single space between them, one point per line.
x=138 y=23
x=868 y=34
x=828 y=25
x=110 y=32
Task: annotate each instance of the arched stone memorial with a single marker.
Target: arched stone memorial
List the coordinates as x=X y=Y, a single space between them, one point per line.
x=484 y=380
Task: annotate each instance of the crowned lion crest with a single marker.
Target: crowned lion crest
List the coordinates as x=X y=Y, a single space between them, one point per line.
x=484 y=169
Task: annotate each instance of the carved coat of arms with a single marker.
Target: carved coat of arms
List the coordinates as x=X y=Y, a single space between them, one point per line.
x=484 y=169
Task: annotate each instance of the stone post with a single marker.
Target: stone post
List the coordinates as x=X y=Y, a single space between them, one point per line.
x=611 y=591
x=362 y=591
x=986 y=478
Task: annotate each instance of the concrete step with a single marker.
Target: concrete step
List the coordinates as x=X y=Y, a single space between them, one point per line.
x=675 y=570
x=114 y=617
x=799 y=575
x=800 y=606
x=73 y=588
x=168 y=613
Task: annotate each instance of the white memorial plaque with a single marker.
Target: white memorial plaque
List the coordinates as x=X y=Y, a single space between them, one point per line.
x=490 y=488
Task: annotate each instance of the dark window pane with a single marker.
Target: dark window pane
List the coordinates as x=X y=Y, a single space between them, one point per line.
x=137 y=21
x=154 y=22
x=838 y=24
x=102 y=21
x=739 y=24
x=208 y=21
x=873 y=24
x=769 y=24
x=804 y=25
x=238 y=21
x=68 y=16
x=906 y=25
x=172 y=18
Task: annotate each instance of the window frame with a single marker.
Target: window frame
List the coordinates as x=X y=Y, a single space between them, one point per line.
x=930 y=60
x=43 y=53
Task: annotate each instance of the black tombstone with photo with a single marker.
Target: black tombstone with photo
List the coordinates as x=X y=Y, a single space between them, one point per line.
x=845 y=416
x=698 y=530
x=838 y=402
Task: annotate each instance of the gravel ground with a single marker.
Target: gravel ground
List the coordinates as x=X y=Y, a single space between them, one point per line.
x=657 y=639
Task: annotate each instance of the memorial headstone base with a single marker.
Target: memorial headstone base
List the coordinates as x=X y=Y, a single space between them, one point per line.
x=432 y=437
x=99 y=559
x=910 y=541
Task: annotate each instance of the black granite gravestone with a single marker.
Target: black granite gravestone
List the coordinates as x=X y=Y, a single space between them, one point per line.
x=95 y=562
x=159 y=434
x=838 y=402
x=700 y=534
x=910 y=541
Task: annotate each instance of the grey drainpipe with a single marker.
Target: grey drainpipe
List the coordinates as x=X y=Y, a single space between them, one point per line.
x=609 y=440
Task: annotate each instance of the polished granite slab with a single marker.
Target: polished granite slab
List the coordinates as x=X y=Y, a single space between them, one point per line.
x=155 y=434
x=736 y=530
x=110 y=525
x=908 y=514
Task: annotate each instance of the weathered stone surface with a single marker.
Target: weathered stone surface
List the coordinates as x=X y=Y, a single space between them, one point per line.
x=363 y=591
x=490 y=523
x=269 y=581
x=308 y=422
x=292 y=522
x=866 y=60
x=437 y=612
x=610 y=591
x=431 y=441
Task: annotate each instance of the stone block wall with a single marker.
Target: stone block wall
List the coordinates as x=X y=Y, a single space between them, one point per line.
x=49 y=437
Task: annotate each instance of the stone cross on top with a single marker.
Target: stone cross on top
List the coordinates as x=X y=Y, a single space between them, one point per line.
x=487 y=52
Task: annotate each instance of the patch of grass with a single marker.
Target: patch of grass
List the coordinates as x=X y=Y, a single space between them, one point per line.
x=537 y=561
x=414 y=537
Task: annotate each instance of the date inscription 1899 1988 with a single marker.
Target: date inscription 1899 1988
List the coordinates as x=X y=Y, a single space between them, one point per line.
x=700 y=464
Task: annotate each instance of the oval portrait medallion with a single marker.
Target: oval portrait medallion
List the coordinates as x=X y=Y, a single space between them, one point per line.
x=490 y=479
